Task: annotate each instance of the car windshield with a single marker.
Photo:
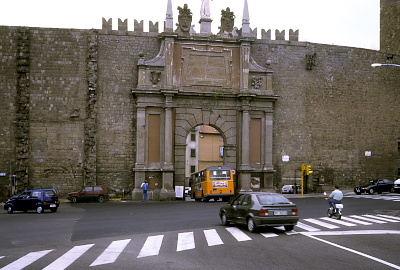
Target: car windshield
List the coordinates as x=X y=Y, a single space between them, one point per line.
x=268 y=199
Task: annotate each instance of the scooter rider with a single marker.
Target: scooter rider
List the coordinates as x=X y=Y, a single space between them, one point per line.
x=335 y=197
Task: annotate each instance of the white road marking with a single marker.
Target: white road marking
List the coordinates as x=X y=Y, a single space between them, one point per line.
x=213 y=238
x=238 y=234
x=341 y=222
x=363 y=232
x=321 y=223
x=368 y=219
x=355 y=251
x=392 y=217
x=26 y=260
x=269 y=235
x=382 y=218
x=307 y=227
x=356 y=221
x=152 y=246
x=185 y=241
x=111 y=253
x=68 y=258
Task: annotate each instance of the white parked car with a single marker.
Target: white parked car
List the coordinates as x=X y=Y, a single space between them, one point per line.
x=290 y=189
x=397 y=186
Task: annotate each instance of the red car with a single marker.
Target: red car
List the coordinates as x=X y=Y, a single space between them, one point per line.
x=89 y=193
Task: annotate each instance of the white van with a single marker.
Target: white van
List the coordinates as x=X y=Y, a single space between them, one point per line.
x=397 y=186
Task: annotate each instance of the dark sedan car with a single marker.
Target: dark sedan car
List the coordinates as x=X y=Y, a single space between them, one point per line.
x=379 y=186
x=259 y=209
x=34 y=199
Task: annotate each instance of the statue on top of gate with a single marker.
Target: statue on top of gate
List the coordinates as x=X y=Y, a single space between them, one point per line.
x=227 y=22
x=184 y=20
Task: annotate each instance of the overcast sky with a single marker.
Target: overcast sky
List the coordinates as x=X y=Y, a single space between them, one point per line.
x=353 y=23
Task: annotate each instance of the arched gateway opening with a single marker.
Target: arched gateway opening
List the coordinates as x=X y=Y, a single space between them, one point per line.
x=202 y=80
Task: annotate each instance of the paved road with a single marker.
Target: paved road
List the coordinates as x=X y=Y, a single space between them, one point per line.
x=182 y=235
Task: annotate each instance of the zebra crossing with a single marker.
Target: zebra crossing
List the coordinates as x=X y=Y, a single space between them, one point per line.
x=186 y=241
x=395 y=198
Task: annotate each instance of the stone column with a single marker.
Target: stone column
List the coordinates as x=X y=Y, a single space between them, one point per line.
x=139 y=169
x=245 y=172
x=268 y=166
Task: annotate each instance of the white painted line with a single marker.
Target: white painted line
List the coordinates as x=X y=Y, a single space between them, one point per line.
x=392 y=217
x=269 y=235
x=26 y=260
x=357 y=252
x=341 y=222
x=307 y=227
x=1 y=257
x=321 y=223
x=238 y=234
x=213 y=238
x=111 y=253
x=362 y=232
x=382 y=218
x=357 y=221
x=185 y=241
x=152 y=246
x=369 y=219
x=68 y=258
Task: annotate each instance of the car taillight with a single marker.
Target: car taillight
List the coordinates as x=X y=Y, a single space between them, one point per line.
x=295 y=212
x=263 y=212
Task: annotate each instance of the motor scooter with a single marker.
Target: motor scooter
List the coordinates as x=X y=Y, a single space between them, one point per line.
x=336 y=211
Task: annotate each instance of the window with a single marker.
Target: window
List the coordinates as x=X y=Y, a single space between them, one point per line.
x=193 y=137
x=192 y=169
x=192 y=152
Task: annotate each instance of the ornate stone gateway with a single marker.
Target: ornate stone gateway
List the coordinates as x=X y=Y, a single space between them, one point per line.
x=203 y=79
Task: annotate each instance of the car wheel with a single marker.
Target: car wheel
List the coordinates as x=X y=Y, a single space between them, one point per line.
x=39 y=209
x=53 y=210
x=289 y=227
x=74 y=199
x=10 y=210
x=100 y=199
x=371 y=191
x=358 y=193
x=251 y=226
x=224 y=220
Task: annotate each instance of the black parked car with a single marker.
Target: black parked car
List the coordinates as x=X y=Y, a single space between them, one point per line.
x=35 y=199
x=379 y=186
x=260 y=209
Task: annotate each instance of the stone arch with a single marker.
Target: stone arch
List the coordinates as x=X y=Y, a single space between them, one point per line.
x=187 y=119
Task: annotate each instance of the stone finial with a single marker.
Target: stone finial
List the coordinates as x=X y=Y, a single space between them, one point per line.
x=246 y=20
x=205 y=18
x=169 y=22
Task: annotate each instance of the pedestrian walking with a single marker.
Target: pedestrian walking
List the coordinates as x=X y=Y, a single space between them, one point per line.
x=145 y=187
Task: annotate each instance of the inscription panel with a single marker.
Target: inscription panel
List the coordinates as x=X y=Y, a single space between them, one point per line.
x=206 y=68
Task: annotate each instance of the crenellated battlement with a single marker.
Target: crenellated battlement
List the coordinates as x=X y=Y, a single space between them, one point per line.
x=154 y=28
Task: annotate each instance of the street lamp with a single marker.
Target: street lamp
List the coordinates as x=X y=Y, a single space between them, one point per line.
x=378 y=65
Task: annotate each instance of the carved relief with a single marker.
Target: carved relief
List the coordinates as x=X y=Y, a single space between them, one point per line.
x=227 y=22
x=184 y=19
x=155 y=77
x=256 y=82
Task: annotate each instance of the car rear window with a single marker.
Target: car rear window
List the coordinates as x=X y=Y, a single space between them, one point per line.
x=49 y=193
x=98 y=188
x=269 y=199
